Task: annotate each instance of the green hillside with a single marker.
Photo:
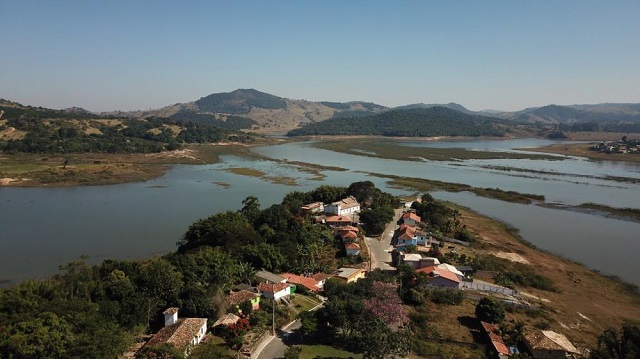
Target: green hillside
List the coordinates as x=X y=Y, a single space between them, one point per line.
x=434 y=121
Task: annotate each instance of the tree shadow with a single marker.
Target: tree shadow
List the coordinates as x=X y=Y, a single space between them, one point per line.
x=474 y=326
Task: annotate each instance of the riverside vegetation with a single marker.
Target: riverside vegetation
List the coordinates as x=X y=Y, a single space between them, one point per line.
x=98 y=311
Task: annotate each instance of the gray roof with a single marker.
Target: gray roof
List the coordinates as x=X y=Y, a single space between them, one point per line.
x=346 y=272
x=270 y=277
x=464 y=268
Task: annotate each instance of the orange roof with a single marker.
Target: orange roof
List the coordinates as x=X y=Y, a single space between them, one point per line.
x=348 y=228
x=306 y=282
x=334 y=219
x=496 y=339
x=272 y=287
x=354 y=246
x=348 y=234
x=411 y=215
x=431 y=270
x=319 y=276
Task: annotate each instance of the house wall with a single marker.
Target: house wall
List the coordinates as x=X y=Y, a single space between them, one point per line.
x=441 y=282
x=353 y=252
x=546 y=354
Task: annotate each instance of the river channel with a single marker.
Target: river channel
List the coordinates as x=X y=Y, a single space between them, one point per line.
x=41 y=228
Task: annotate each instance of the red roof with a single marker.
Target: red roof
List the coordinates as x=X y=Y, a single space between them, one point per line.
x=496 y=339
x=319 y=276
x=338 y=219
x=348 y=234
x=413 y=216
x=432 y=272
x=272 y=287
x=306 y=282
x=348 y=228
x=354 y=246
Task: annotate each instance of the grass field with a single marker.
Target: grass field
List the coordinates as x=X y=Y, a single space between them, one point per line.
x=325 y=351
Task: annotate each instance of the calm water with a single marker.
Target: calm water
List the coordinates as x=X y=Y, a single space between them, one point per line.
x=41 y=228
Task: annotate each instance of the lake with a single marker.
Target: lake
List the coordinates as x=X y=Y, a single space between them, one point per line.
x=41 y=228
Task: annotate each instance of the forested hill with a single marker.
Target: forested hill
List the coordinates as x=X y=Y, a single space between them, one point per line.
x=423 y=122
x=40 y=130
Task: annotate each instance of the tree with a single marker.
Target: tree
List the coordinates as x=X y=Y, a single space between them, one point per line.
x=164 y=351
x=363 y=191
x=378 y=342
x=375 y=220
x=251 y=208
x=293 y=352
x=614 y=345
x=490 y=310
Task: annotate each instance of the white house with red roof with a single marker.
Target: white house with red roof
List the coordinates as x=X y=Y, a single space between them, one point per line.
x=352 y=249
x=411 y=219
x=440 y=277
x=275 y=291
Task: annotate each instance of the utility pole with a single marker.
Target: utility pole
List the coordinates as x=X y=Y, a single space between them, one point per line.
x=273 y=310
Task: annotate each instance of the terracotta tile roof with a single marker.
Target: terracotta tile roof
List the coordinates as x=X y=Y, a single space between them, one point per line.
x=354 y=246
x=179 y=334
x=306 y=282
x=271 y=287
x=348 y=228
x=238 y=297
x=496 y=339
x=338 y=219
x=348 y=234
x=319 y=276
x=172 y=310
x=411 y=215
x=433 y=271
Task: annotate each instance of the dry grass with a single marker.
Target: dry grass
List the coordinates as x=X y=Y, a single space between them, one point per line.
x=583 y=293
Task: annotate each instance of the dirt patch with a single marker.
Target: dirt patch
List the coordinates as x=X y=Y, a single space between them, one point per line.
x=514 y=257
x=6 y=180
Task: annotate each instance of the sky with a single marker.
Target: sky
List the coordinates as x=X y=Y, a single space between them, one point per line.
x=139 y=55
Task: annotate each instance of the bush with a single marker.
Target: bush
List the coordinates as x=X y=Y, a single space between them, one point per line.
x=446 y=296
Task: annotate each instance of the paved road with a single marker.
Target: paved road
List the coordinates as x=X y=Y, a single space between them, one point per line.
x=380 y=248
x=275 y=347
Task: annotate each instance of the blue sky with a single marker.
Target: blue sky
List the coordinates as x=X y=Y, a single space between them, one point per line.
x=508 y=55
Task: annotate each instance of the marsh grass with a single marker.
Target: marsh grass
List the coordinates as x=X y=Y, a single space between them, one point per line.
x=394 y=150
x=426 y=185
x=251 y=172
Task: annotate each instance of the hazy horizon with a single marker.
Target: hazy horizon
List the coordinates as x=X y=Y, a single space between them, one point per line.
x=499 y=55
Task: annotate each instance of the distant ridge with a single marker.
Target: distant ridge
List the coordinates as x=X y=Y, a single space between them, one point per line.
x=415 y=122
x=451 y=105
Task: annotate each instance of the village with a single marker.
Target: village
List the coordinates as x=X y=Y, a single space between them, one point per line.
x=431 y=257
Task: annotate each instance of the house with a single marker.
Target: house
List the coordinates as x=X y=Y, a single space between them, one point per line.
x=349 y=275
x=451 y=269
x=275 y=291
x=183 y=333
x=338 y=221
x=411 y=219
x=265 y=276
x=321 y=278
x=353 y=249
x=235 y=298
x=226 y=320
x=310 y=283
x=497 y=345
x=411 y=259
x=348 y=236
x=313 y=208
x=547 y=344
x=440 y=277
x=343 y=207
x=405 y=236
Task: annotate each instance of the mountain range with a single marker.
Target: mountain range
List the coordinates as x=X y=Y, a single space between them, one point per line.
x=266 y=113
